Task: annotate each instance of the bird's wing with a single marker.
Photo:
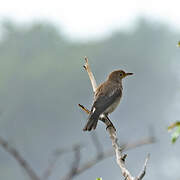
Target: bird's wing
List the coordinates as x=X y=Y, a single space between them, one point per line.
x=105 y=96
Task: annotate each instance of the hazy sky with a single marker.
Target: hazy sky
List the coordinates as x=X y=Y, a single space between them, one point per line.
x=92 y=18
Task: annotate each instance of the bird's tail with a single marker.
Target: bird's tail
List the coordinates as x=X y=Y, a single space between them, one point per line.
x=92 y=121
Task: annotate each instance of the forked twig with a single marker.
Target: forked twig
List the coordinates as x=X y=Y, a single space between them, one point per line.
x=75 y=164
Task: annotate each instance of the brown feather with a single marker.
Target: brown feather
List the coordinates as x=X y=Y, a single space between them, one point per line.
x=106 y=98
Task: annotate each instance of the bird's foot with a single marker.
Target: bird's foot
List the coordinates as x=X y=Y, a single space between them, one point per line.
x=111 y=126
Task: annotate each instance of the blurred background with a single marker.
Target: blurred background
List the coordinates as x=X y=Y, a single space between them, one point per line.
x=42 y=49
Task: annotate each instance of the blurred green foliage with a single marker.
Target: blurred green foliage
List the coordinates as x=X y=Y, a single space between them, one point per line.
x=175 y=134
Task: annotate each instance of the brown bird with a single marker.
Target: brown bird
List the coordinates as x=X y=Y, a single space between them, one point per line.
x=106 y=98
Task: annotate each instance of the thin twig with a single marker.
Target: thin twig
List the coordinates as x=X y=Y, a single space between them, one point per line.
x=47 y=173
x=75 y=164
x=120 y=158
x=97 y=144
x=22 y=162
x=52 y=162
x=92 y=79
x=142 y=174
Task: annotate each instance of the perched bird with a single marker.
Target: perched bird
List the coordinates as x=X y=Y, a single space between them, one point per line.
x=106 y=98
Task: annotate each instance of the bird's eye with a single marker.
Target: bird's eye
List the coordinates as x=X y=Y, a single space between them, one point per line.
x=121 y=74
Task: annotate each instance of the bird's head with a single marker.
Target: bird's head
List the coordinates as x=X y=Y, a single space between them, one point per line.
x=118 y=75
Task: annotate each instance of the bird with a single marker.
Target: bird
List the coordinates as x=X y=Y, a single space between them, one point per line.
x=107 y=96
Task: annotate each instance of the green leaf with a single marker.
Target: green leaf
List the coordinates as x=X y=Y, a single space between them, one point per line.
x=175 y=135
x=176 y=124
x=178 y=44
x=98 y=178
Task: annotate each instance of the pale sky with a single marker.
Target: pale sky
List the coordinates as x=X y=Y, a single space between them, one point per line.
x=92 y=18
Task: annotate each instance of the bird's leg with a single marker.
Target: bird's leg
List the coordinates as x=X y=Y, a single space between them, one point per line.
x=110 y=124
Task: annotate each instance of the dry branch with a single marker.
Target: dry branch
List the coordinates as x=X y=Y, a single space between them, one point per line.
x=109 y=153
x=91 y=76
x=22 y=162
x=52 y=162
x=100 y=156
x=47 y=173
x=75 y=164
x=97 y=144
x=55 y=157
x=120 y=157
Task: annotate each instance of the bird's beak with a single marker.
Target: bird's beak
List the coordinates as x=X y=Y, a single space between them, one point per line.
x=128 y=74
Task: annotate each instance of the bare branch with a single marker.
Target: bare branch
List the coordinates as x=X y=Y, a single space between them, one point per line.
x=142 y=174
x=47 y=173
x=120 y=157
x=75 y=164
x=92 y=79
x=109 y=153
x=52 y=162
x=97 y=144
x=141 y=142
x=22 y=162
x=56 y=155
